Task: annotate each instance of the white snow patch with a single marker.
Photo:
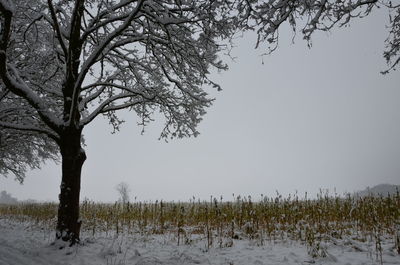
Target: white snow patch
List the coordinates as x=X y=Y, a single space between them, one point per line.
x=25 y=244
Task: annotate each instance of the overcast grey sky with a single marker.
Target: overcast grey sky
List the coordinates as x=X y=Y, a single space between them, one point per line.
x=305 y=119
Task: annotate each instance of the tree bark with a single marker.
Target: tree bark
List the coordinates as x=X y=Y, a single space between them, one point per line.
x=73 y=157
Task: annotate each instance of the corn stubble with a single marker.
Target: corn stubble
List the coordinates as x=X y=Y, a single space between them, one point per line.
x=218 y=222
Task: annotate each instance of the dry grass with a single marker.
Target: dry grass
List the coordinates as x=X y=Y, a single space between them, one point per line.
x=311 y=221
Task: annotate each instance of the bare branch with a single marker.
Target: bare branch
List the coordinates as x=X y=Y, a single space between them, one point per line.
x=57 y=27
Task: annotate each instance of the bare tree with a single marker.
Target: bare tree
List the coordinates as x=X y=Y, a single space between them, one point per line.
x=123 y=190
x=72 y=61
x=6 y=198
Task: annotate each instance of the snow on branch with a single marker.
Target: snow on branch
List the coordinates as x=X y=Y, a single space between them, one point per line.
x=266 y=17
x=151 y=54
x=392 y=43
x=23 y=150
x=109 y=105
x=56 y=26
x=18 y=115
x=25 y=142
x=28 y=128
x=10 y=75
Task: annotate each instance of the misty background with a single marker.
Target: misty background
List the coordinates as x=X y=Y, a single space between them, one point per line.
x=297 y=120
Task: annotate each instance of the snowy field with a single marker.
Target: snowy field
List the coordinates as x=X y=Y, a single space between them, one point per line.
x=24 y=244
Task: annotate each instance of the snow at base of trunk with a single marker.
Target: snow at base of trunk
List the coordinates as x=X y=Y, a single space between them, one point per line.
x=23 y=244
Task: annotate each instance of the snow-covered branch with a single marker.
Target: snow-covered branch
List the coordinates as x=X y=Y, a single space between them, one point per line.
x=392 y=51
x=12 y=80
x=98 y=50
x=29 y=128
x=106 y=16
x=19 y=87
x=21 y=150
x=56 y=26
x=108 y=105
x=266 y=17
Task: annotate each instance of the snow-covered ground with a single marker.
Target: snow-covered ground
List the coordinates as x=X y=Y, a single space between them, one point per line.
x=24 y=244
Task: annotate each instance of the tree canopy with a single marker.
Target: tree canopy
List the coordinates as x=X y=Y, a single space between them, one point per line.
x=145 y=56
x=133 y=60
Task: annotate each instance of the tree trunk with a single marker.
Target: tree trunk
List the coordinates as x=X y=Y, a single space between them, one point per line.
x=73 y=157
